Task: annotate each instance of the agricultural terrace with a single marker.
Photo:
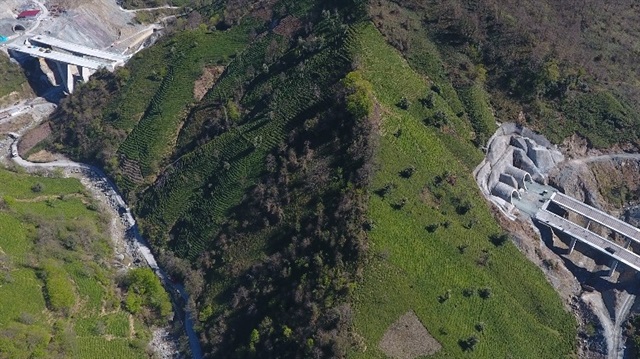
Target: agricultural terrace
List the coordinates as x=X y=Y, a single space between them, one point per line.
x=431 y=247
x=160 y=92
x=212 y=177
x=59 y=294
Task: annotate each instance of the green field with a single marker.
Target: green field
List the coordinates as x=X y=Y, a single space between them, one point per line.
x=11 y=77
x=430 y=248
x=58 y=293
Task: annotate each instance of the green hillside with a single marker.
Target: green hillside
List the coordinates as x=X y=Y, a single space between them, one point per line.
x=11 y=78
x=305 y=166
x=419 y=264
x=60 y=296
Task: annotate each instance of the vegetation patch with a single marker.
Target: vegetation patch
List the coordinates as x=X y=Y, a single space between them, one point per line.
x=58 y=294
x=451 y=275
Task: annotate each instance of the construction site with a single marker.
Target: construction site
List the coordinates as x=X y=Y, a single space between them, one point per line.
x=59 y=45
x=554 y=207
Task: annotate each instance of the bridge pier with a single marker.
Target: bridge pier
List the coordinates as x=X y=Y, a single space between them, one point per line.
x=613 y=266
x=66 y=75
x=572 y=245
x=85 y=73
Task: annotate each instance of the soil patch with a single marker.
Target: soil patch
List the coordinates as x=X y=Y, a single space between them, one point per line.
x=42 y=156
x=288 y=26
x=407 y=338
x=33 y=137
x=210 y=75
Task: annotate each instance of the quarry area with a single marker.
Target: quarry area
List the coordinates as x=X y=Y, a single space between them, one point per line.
x=94 y=23
x=520 y=175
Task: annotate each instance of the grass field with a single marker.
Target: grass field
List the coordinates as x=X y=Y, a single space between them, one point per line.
x=57 y=289
x=430 y=248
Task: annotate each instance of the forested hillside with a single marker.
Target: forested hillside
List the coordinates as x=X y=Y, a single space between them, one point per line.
x=305 y=166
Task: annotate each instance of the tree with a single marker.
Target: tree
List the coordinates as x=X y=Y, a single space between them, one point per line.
x=485 y=293
x=359 y=95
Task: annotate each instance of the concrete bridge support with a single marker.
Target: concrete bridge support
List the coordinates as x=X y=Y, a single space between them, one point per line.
x=66 y=75
x=572 y=245
x=85 y=73
x=612 y=267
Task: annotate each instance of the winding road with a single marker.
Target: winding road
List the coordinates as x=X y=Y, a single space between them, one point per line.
x=109 y=189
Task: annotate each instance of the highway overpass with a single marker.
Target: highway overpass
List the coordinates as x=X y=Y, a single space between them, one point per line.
x=78 y=50
x=573 y=205
x=67 y=56
x=619 y=253
x=64 y=62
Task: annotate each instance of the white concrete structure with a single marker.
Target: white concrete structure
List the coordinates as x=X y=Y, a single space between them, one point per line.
x=78 y=50
x=593 y=240
x=65 y=63
x=68 y=56
x=619 y=253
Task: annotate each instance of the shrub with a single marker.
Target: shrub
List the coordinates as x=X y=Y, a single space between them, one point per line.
x=384 y=191
x=37 y=187
x=404 y=103
x=144 y=289
x=485 y=293
x=408 y=172
x=359 y=97
x=432 y=227
x=469 y=344
x=499 y=239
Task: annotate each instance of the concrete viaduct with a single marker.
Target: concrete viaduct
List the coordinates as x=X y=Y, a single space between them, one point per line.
x=618 y=253
x=67 y=55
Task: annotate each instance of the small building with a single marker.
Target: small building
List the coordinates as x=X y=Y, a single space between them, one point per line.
x=29 y=14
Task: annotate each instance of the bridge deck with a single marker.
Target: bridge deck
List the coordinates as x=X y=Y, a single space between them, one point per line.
x=591 y=239
x=78 y=49
x=596 y=215
x=59 y=56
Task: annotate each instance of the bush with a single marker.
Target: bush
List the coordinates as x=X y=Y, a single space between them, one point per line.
x=404 y=103
x=38 y=187
x=144 y=289
x=485 y=293
x=408 y=172
x=469 y=344
x=499 y=239
x=359 y=97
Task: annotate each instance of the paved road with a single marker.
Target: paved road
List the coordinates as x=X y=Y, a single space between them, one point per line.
x=150 y=8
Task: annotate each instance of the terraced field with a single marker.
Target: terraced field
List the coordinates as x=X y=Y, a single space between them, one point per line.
x=57 y=288
x=156 y=100
x=430 y=248
x=193 y=196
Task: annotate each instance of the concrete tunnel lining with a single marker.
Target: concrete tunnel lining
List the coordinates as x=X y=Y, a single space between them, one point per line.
x=504 y=191
x=520 y=175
